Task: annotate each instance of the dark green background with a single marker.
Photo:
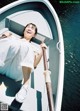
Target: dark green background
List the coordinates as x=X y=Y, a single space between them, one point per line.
x=69 y=15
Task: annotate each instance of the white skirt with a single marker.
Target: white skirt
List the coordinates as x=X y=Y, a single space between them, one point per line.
x=15 y=53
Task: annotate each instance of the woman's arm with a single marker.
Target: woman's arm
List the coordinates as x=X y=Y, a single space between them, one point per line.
x=5 y=35
x=38 y=56
x=37 y=59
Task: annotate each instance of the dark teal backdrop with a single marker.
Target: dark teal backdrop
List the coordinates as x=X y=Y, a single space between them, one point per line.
x=69 y=15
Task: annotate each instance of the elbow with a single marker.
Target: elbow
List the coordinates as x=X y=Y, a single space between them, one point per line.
x=35 y=65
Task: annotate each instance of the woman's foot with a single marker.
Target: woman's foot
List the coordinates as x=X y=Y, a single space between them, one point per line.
x=21 y=95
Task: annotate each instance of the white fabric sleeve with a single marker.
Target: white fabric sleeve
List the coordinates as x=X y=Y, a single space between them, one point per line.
x=28 y=60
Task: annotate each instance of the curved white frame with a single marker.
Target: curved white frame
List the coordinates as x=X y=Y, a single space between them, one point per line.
x=61 y=50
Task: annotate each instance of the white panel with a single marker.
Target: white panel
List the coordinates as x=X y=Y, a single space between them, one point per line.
x=25 y=17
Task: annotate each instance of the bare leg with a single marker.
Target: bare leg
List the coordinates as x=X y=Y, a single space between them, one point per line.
x=26 y=74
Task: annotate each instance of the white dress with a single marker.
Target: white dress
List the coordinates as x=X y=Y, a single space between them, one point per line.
x=15 y=53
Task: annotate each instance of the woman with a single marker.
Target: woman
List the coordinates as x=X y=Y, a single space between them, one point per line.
x=17 y=57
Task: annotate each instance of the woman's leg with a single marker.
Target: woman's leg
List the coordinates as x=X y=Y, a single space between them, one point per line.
x=26 y=74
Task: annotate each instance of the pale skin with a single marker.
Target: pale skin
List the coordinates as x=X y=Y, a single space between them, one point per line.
x=29 y=32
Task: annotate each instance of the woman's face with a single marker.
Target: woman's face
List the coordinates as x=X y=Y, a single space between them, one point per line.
x=29 y=32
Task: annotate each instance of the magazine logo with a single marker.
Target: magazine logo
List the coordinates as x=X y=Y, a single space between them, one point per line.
x=69 y=1
x=3 y=107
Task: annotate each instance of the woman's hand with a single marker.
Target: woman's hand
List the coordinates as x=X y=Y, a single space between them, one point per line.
x=43 y=45
x=6 y=34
